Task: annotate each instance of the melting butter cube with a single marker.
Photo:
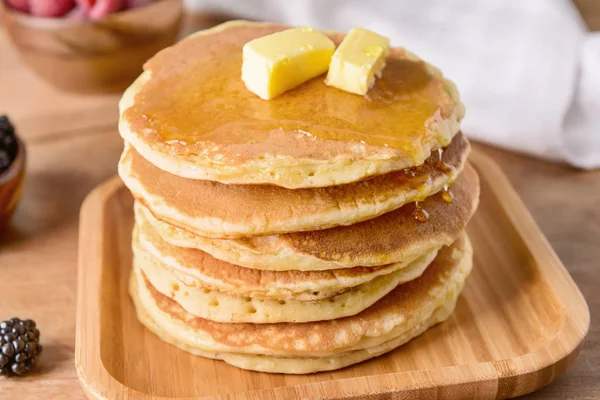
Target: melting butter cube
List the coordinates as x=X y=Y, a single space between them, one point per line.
x=281 y=61
x=358 y=59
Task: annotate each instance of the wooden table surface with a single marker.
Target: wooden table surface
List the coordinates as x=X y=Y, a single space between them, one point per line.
x=73 y=145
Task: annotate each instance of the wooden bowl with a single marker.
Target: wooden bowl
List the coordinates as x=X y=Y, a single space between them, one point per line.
x=11 y=182
x=93 y=56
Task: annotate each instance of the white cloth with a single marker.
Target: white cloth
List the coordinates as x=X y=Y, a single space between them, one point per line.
x=528 y=70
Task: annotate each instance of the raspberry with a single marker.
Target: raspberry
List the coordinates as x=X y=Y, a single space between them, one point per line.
x=19 y=5
x=102 y=8
x=51 y=8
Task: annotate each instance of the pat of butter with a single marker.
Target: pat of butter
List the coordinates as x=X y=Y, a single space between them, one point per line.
x=281 y=61
x=358 y=59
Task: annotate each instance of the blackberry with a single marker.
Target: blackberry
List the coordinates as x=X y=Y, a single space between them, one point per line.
x=20 y=346
x=8 y=143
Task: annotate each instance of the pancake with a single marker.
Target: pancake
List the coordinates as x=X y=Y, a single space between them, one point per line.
x=213 y=209
x=394 y=237
x=190 y=114
x=404 y=313
x=295 y=364
x=226 y=307
x=195 y=268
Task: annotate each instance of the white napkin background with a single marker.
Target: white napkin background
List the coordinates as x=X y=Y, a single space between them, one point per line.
x=528 y=70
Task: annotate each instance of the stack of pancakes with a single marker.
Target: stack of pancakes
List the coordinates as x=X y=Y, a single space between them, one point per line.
x=301 y=234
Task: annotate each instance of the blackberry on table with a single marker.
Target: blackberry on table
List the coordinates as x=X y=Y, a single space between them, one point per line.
x=20 y=346
x=8 y=143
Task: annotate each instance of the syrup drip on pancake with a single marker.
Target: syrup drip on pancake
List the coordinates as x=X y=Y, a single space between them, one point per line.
x=447 y=195
x=420 y=213
x=448 y=170
x=441 y=165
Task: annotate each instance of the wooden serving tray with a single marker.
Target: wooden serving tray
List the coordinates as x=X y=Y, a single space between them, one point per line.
x=518 y=325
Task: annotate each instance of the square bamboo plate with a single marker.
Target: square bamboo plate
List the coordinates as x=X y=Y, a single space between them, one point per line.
x=519 y=323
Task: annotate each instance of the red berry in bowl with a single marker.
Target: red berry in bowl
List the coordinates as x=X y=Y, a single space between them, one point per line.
x=136 y=3
x=86 y=5
x=19 y=5
x=102 y=8
x=51 y=8
x=76 y=13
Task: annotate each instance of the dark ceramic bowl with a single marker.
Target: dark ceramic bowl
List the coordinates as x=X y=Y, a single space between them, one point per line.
x=11 y=182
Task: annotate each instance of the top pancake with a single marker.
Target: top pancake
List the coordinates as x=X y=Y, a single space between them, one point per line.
x=189 y=113
x=212 y=209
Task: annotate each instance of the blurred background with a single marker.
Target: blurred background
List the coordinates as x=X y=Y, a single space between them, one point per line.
x=528 y=71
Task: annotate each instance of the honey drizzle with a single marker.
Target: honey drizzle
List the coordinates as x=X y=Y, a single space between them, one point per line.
x=441 y=165
x=191 y=101
x=447 y=194
x=420 y=213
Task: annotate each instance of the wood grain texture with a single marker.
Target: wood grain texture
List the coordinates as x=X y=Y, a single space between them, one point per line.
x=564 y=202
x=73 y=146
x=518 y=325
